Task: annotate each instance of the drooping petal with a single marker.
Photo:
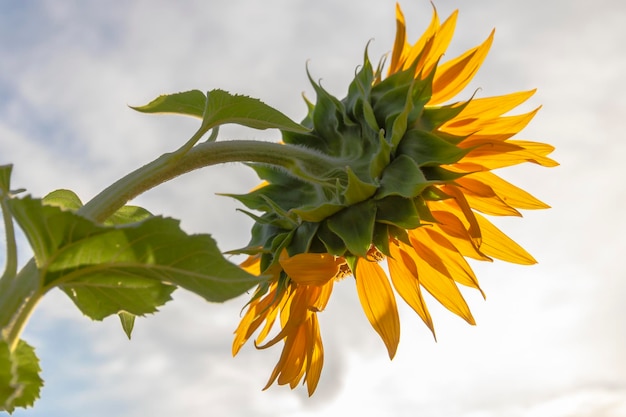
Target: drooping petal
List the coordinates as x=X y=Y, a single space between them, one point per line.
x=315 y=355
x=438 y=284
x=311 y=268
x=378 y=302
x=455 y=263
x=404 y=277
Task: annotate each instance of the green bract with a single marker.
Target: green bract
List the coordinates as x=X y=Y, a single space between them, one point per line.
x=385 y=153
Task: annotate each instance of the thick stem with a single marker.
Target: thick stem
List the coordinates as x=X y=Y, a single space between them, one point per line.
x=303 y=162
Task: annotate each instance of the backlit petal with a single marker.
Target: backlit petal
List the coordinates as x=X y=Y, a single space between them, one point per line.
x=378 y=303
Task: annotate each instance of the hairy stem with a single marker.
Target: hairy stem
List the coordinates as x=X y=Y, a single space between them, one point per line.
x=303 y=162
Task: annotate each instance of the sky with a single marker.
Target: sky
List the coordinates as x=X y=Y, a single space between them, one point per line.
x=550 y=338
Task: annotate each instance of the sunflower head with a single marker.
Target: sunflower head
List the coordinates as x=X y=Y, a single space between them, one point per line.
x=407 y=172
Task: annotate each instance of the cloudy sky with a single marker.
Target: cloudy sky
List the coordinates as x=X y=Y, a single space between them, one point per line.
x=550 y=338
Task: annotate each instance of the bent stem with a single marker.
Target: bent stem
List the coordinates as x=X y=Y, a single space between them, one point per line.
x=19 y=294
x=305 y=163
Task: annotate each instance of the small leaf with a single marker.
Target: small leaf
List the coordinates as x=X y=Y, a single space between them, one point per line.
x=20 y=382
x=65 y=199
x=223 y=107
x=128 y=322
x=189 y=103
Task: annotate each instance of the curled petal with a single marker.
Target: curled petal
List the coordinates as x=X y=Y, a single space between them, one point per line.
x=311 y=268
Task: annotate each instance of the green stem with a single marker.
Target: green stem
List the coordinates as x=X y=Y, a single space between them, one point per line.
x=18 y=298
x=305 y=163
x=11 y=260
x=19 y=294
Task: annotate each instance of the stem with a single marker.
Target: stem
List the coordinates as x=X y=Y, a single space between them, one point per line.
x=306 y=163
x=18 y=298
x=11 y=260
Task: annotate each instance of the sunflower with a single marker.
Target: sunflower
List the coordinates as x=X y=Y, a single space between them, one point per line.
x=407 y=177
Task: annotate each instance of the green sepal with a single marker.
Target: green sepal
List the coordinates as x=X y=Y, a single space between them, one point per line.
x=381 y=158
x=433 y=117
x=402 y=178
x=423 y=210
x=20 y=383
x=398 y=211
x=355 y=226
x=357 y=190
x=427 y=149
x=381 y=238
x=318 y=213
x=331 y=241
x=440 y=175
x=302 y=238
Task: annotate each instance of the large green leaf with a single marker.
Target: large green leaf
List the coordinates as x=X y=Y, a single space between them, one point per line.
x=134 y=267
x=219 y=107
x=223 y=107
x=20 y=382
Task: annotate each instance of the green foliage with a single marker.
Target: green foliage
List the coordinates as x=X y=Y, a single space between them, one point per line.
x=19 y=376
x=219 y=107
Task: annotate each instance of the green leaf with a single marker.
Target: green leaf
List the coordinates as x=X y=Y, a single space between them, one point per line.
x=65 y=199
x=127 y=215
x=131 y=267
x=128 y=322
x=223 y=107
x=189 y=103
x=355 y=226
x=102 y=293
x=20 y=382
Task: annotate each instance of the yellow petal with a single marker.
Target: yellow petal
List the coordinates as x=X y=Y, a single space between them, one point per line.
x=492 y=129
x=439 y=285
x=421 y=49
x=452 y=76
x=456 y=265
x=454 y=229
x=399 y=43
x=378 y=303
x=311 y=268
x=315 y=355
x=503 y=154
x=404 y=277
x=509 y=193
x=440 y=42
x=489 y=107
x=483 y=198
x=497 y=244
